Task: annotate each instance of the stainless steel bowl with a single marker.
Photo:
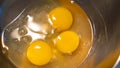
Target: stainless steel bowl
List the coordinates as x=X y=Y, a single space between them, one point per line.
x=105 y=19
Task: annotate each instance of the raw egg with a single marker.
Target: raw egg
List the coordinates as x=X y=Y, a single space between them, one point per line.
x=67 y=42
x=60 y=18
x=49 y=34
x=39 y=53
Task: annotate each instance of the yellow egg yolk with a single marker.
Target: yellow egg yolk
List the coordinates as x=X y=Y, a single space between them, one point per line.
x=39 y=53
x=60 y=18
x=67 y=42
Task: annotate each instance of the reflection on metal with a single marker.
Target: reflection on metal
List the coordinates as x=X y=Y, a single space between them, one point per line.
x=117 y=64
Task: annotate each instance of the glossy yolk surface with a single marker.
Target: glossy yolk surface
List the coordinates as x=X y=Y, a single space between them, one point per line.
x=67 y=42
x=60 y=18
x=39 y=53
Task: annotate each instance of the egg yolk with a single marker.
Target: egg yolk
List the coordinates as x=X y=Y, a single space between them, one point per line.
x=39 y=53
x=67 y=42
x=60 y=18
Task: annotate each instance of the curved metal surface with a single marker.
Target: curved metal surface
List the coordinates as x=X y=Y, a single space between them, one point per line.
x=105 y=18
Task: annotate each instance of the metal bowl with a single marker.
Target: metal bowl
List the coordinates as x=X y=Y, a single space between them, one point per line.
x=105 y=18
